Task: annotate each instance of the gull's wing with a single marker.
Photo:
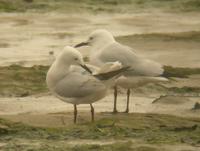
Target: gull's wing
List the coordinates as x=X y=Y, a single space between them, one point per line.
x=93 y=69
x=107 y=72
x=111 y=74
x=78 y=85
x=126 y=56
x=108 y=67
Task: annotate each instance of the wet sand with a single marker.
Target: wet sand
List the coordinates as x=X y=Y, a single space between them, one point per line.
x=172 y=105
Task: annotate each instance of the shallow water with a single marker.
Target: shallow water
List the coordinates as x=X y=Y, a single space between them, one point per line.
x=27 y=38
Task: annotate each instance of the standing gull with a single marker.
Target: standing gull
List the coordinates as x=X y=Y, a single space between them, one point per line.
x=73 y=84
x=104 y=49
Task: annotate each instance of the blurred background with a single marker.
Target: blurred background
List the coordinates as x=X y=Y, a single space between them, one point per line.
x=164 y=30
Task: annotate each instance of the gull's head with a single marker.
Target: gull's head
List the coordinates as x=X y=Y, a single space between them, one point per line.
x=98 y=37
x=70 y=56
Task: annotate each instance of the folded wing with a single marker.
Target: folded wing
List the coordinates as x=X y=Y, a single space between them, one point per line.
x=78 y=85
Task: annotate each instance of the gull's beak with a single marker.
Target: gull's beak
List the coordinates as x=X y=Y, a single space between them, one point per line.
x=81 y=44
x=86 y=68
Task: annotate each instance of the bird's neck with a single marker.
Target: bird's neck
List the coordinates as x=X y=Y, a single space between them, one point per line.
x=56 y=73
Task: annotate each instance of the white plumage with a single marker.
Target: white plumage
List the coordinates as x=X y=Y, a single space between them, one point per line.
x=104 y=49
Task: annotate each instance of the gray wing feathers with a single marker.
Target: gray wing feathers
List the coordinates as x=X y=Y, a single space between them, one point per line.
x=124 y=54
x=84 y=86
x=111 y=74
x=116 y=52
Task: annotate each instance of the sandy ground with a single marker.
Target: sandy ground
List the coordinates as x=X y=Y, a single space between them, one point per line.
x=47 y=111
x=46 y=107
x=28 y=38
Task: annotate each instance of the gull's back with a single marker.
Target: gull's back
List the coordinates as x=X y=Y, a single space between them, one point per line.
x=125 y=55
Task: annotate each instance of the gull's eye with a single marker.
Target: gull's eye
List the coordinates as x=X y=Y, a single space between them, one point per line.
x=90 y=38
x=75 y=59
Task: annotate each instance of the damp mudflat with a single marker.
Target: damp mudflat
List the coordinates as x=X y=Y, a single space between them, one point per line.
x=162 y=117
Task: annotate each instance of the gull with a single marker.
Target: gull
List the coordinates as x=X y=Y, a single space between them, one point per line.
x=105 y=49
x=72 y=81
